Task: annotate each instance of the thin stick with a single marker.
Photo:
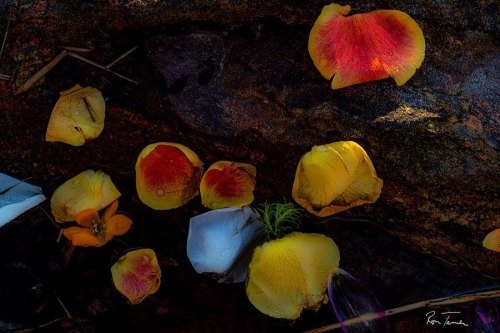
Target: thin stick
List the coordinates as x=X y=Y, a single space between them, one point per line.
x=50 y=218
x=79 y=57
x=6 y=32
x=41 y=73
x=455 y=299
x=5 y=77
x=68 y=315
x=76 y=49
x=39 y=326
x=122 y=56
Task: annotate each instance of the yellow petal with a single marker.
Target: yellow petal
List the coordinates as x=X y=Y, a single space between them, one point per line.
x=492 y=240
x=77 y=117
x=228 y=184
x=335 y=177
x=118 y=225
x=290 y=274
x=137 y=274
x=84 y=237
x=88 y=189
x=167 y=175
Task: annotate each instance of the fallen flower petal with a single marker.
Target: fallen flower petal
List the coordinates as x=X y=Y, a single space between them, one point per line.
x=335 y=177
x=365 y=47
x=137 y=274
x=88 y=189
x=290 y=274
x=167 y=175
x=77 y=117
x=228 y=184
x=492 y=240
x=221 y=242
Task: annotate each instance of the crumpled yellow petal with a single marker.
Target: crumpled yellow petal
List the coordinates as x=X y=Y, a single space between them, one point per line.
x=289 y=274
x=77 y=117
x=335 y=177
x=137 y=274
x=492 y=240
x=228 y=184
x=82 y=237
x=118 y=225
x=167 y=175
x=88 y=189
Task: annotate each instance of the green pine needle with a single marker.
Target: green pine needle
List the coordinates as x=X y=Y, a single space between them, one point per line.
x=280 y=218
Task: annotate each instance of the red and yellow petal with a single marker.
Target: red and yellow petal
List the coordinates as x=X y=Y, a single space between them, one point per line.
x=492 y=240
x=118 y=225
x=167 y=175
x=228 y=184
x=82 y=237
x=87 y=217
x=137 y=274
x=365 y=47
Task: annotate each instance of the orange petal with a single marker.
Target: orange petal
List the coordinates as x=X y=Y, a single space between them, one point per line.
x=492 y=240
x=167 y=175
x=137 y=274
x=118 y=225
x=335 y=177
x=228 y=184
x=365 y=47
x=85 y=238
x=70 y=232
x=88 y=217
x=110 y=211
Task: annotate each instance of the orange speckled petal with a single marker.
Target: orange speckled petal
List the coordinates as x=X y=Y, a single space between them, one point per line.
x=87 y=217
x=365 y=47
x=167 y=175
x=492 y=240
x=85 y=238
x=228 y=184
x=118 y=225
x=110 y=211
x=137 y=274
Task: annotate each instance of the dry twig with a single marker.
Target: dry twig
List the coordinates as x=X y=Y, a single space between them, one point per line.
x=41 y=73
x=122 y=56
x=6 y=32
x=76 y=49
x=4 y=77
x=68 y=315
x=436 y=302
x=93 y=63
x=26 y=330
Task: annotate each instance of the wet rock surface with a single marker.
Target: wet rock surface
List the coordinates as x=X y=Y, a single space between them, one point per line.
x=233 y=80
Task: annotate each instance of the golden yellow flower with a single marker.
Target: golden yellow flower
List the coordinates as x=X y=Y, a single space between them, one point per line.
x=492 y=240
x=95 y=231
x=335 y=177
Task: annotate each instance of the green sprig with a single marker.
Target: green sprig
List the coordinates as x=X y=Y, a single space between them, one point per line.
x=280 y=218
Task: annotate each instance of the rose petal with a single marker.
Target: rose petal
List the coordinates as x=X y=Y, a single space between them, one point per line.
x=228 y=184
x=137 y=274
x=290 y=274
x=365 y=47
x=167 y=175
x=88 y=189
x=77 y=117
x=335 y=177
